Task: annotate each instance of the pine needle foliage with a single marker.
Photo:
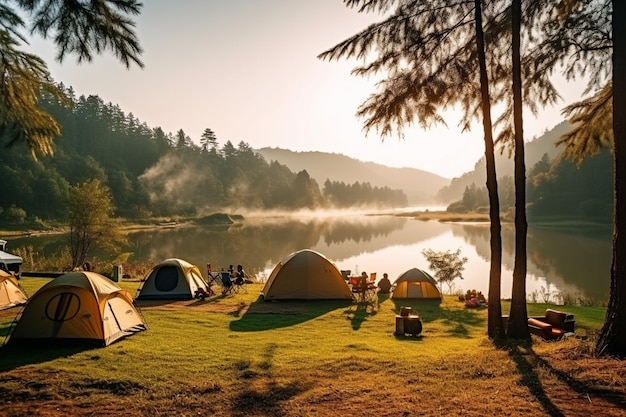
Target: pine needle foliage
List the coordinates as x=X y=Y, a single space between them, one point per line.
x=426 y=53
x=578 y=38
x=81 y=28
x=23 y=78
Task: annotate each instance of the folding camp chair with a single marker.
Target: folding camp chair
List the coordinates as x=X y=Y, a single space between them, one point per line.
x=213 y=279
x=239 y=285
x=372 y=289
x=227 y=283
x=358 y=290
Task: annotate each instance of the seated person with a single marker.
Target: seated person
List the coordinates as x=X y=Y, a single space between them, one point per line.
x=481 y=299
x=364 y=281
x=240 y=275
x=384 y=285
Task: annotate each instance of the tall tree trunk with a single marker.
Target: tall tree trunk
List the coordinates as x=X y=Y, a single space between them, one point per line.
x=518 y=318
x=495 y=328
x=612 y=338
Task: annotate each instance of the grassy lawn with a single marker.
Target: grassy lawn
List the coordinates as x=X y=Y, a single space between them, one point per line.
x=237 y=355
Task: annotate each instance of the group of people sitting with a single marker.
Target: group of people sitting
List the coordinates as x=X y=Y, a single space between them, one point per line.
x=383 y=286
x=235 y=277
x=473 y=299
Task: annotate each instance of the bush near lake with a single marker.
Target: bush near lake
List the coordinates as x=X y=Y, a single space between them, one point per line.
x=236 y=355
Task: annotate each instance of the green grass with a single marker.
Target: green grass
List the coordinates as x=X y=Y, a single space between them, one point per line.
x=195 y=341
x=227 y=344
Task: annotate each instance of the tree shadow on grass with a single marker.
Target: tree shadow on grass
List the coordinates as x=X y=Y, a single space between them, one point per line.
x=359 y=312
x=585 y=387
x=522 y=354
x=527 y=362
x=267 y=395
x=459 y=321
x=267 y=401
x=267 y=315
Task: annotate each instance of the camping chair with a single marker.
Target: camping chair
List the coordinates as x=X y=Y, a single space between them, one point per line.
x=213 y=279
x=239 y=284
x=227 y=283
x=372 y=289
x=358 y=290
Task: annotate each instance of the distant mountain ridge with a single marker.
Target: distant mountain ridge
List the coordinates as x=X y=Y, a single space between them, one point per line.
x=533 y=152
x=420 y=186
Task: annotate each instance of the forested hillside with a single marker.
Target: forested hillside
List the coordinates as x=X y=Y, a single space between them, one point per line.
x=153 y=173
x=533 y=150
x=556 y=187
x=420 y=186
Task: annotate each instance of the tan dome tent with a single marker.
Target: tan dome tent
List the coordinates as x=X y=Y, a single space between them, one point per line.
x=416 y=284
x=306 y=275
x=11 y=294
x=78 y=306
x=172 y=279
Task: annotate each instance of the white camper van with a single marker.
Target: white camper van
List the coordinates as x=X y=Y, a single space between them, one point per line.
x=8 y=261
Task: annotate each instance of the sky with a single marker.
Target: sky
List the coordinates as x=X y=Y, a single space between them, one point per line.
x=248 y=70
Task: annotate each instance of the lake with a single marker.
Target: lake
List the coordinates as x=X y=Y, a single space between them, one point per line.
x=573 y=262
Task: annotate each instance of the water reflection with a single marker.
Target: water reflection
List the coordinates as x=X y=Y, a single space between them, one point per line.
x=558 y=260
x=571 y=261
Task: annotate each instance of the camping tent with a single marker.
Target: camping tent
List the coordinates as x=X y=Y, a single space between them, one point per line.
x=305 y=275
x=78 y=306
x=11 y=294
x=416 y=284
x=172 y=279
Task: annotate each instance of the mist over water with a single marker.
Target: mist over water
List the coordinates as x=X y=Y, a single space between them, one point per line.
x=569 y=261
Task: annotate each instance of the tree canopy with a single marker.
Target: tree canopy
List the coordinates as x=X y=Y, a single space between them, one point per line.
x=77 y=28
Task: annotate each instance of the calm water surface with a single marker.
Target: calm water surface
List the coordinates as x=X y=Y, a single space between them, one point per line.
x=568 y=261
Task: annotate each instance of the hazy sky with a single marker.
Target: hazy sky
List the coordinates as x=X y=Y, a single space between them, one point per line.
x=248 y=70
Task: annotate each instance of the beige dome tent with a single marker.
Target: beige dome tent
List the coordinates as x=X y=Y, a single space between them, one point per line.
x=172 y=279
x=11 y=294
x=306 y=275
x=78 y=306
x=416 y=284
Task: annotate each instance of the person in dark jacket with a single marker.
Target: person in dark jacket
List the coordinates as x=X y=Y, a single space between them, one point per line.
x=384 y=285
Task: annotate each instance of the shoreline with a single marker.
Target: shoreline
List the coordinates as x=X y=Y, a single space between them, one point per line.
x=129 y=226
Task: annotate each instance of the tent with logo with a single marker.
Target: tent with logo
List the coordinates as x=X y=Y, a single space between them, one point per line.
x=172 y=279
x=415 y=284
x=11 y=294
x=306 y=275
x=77 y=306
